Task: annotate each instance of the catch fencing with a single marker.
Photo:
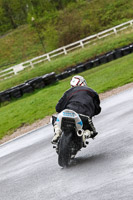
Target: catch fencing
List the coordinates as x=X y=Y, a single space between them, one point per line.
x=7 y=73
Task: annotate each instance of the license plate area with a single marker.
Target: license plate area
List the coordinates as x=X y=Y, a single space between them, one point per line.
x=67 y=123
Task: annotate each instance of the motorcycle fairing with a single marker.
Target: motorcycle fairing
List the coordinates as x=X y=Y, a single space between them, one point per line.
x=70 y=114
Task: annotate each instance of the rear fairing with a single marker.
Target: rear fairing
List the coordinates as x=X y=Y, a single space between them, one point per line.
x=71 y=116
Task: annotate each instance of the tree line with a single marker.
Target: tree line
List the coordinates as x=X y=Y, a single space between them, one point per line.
x=14 y=13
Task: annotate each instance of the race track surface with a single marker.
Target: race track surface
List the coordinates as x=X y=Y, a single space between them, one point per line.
x=102 y=171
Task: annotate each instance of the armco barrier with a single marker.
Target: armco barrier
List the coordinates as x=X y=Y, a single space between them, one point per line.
x=40 y=82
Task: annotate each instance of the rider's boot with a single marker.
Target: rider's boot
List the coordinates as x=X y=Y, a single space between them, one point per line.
x=57 y=134
x=86 y=135
x=93 y=132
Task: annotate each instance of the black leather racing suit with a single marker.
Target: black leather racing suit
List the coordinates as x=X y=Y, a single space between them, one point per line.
x=82 y=100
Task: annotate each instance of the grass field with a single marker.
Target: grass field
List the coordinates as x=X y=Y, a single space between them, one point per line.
x=73 y=58
x=42 y=102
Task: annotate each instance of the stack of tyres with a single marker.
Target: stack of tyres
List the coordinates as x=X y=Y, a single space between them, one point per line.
x=63 y=75
x=49 y=78
x=5 y=96
x=118 y=53
x=80 y=68
x=110 y=56
x=126 y=50
x=88 y=65
x=26 y=88
x=15 y=92
x=103 y=59
x=66 y=74
x=131 y=48
x=59 y=76
x=72 y=71
x=36 y=83
x=95 y=62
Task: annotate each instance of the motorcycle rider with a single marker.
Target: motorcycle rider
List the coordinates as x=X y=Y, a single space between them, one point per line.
x=83 y=100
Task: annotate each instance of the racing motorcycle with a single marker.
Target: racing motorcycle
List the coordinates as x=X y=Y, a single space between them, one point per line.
x=72 y=138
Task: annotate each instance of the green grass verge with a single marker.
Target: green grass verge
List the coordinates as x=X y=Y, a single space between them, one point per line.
x=73 y=58
x=42 y=102
x=18 y=46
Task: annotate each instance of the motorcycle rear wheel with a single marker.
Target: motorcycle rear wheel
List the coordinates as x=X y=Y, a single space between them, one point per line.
x=64 y=155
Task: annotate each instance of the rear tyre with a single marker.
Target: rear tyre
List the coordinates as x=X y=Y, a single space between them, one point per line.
x=64 y=155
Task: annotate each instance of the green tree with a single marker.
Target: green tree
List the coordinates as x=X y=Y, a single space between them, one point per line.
x=12 y=14
x=9 y=13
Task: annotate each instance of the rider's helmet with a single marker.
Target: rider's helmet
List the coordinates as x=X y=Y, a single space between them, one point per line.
x=78 y=81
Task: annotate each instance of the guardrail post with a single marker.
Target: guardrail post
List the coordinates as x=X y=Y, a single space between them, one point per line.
x=15 y=71
x=131 y=23
x=81 y=43
x=115 y=31
x=31 y=63
x=65 y=52
x=48 y=57
x=98 y=36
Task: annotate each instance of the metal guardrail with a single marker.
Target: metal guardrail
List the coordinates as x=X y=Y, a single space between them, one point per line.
x=7 y=73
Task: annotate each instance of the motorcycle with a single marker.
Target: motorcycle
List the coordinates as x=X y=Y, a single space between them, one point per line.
x=72 y=138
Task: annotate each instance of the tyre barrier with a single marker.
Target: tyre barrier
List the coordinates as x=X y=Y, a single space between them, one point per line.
x=110 y=56
x=131 y=47
x=72 y=71
x=80 y=68
x=40 y=82
x=4 y=96
x=27 y=87
x=36 y=83
x=95 y=62
x=88 y=65
x=125 y=51
x=102 y=59
x=15 y=92
x=49 y=78
x=118 y=53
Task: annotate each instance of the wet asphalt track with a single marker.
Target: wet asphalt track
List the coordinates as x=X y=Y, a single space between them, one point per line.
x=103 y=171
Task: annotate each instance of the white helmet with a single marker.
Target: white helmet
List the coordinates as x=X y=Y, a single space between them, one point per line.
x=78 y=81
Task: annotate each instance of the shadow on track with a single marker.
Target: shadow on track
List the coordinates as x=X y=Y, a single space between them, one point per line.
x=91 y=160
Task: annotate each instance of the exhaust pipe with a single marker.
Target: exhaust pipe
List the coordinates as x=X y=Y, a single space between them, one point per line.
x=80 y=132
